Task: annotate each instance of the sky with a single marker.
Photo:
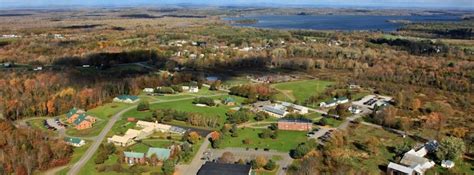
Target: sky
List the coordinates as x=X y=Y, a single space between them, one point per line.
x=463 y=4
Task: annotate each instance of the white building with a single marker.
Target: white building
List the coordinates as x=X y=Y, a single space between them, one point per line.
x=297 y=108
x=123 y=141
x=412 y=163
x=149 y=90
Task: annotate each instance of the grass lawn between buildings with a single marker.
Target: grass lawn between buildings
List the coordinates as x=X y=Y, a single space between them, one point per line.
x=300 y=90
x=285 y=141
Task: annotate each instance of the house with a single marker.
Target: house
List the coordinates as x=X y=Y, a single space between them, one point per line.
x=296 y=108
x=133 y=158
x=161 y=153
x=123 y=141
x=413 y=162
x=79 y=119
x=76 y=142
x=229 y=101
x=277 y=111
x=149 y=90
x=212 y=168
x=126 y=99
x=295 y=124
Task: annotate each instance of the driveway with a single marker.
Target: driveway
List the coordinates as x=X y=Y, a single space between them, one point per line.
x=196 y=163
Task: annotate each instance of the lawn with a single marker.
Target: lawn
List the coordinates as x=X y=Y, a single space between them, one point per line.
x=286 y=140
x=300 y=90
x=372 y=162
x=78 y=153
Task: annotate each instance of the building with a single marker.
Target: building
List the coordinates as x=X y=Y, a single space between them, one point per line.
x=261 y=104
x=371 y=101
x=126 y=99
x=296 y=108
x=212 y=168
x=123 y=141
x=79 y=119
x=149 y=90
x=413 y=161
x=161 y=153
x=354 y=109
x=133 y=158
x=295 y=124
x=334 y=102
x=76 y=142
x=277 y=111
x=229 y=101
x=193 y=89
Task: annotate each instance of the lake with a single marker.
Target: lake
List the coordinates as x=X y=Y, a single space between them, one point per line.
x=337 y=22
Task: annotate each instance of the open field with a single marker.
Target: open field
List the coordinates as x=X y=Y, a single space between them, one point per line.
x=300 y=90
x=286 y=140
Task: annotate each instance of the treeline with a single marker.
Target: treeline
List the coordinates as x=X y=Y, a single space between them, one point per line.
x=253 y=92
x=54 y=93
x=23 y=150
x=194 y=119
x=425 y=47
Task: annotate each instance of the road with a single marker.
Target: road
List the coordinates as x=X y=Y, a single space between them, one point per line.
x=95 y=145
x=241 y=153
x=196 y=163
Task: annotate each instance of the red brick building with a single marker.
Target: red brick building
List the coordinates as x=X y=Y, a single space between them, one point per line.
x=295 y=124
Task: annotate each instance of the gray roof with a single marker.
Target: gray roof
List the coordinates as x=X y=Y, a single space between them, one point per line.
x=413 y=160
x=274 y=110
x=400 y=168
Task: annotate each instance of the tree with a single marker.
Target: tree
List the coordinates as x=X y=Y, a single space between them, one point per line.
x=402 y=149
x=215 y=136
x=415 y=104
x=460 y=132
x=261 y=161
x=450 y=148
x=234 y=131
x=194 y=137
x=143 y=105
x=270 y=165
x=168 y=167
x=227 y=157
x=260 y=116
x=267 y=133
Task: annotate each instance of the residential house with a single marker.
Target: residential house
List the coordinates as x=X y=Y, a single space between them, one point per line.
x=277 y=111
x=213 y=168
x=413 y=161
x=296 y=108
x=295 y=124
x=161 y=153
x=123 y=141
x=229 y=101
x=76 y=142
x=126 y=99
x=133 y=158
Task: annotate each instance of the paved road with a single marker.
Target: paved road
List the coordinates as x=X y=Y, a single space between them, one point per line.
x=93 y=148
x=241 y=153
x=196 y=163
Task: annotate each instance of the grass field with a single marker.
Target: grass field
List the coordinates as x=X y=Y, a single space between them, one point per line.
x=286 y=140
x=300 y=90
x=372 y=163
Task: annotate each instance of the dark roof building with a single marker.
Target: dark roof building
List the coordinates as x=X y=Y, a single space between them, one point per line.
x=211 y=168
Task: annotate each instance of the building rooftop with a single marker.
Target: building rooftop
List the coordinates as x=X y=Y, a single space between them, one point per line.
x=211 y=168
x=274 y=109
x=134 y=155
x=72 y=140
x=161 y=153
x=126 y=97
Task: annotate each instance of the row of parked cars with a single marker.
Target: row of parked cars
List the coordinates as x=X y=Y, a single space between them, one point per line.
x=46 y=125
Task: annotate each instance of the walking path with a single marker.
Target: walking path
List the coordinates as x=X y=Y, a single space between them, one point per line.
x=196 y=163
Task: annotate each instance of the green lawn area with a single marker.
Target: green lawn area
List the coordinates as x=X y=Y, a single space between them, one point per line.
x=300 y=90
x=371 y=163
x=332 y=122
x=286 y=140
